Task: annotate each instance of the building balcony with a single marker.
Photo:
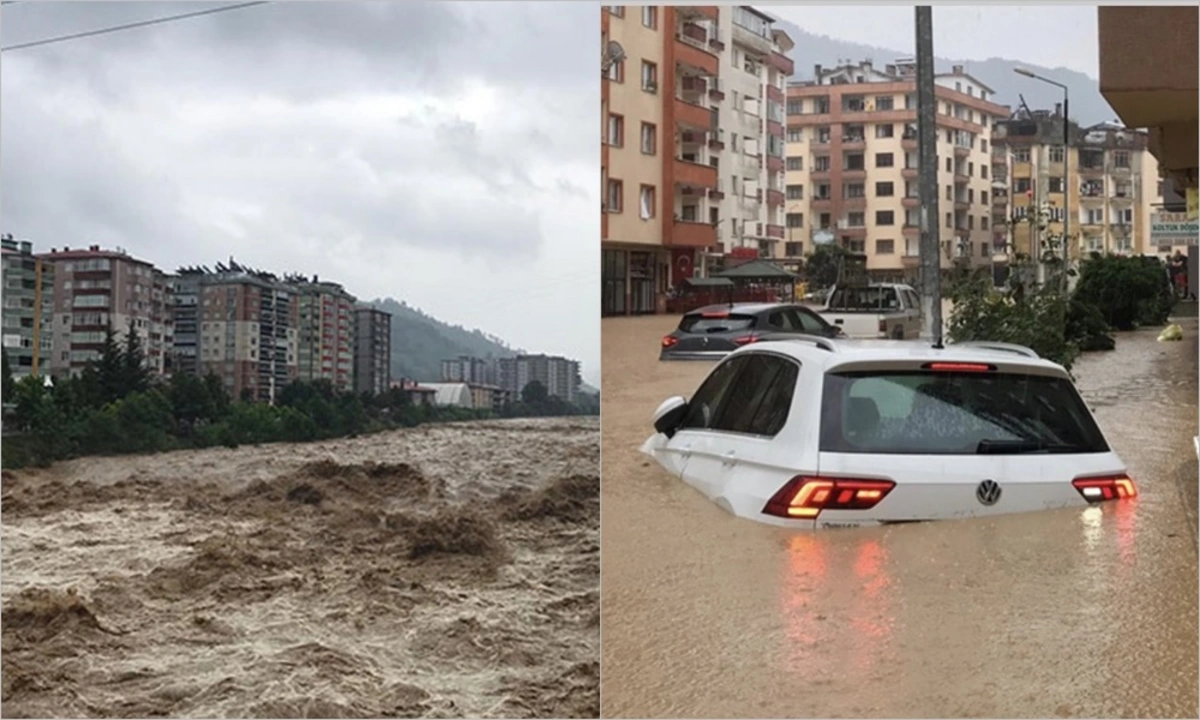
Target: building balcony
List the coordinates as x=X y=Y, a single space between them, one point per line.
x=910 y=261
x=775 y=232
x=911 y=203
x=854 y=142
x=715 y=93
x=774 y=198
x=693 y=52
x=854 y=174
x=716 y=194
x=1122 y=198
x=776 y=95
x=1096 y=198
x=854 y=232
x=857 y=202
x=909 y=173
x=818 y=175
x=819 y=144
x=911 y=230
x=693 y=115
x=821 y=204
x=909 y=143
x=774 y=164
x=697 y=12
x=782 y=63
x=693 y=234
x=961 y=178
x=1120 y=170
x=757 y=44
x=774 y=128
x=960 y=151
x=961 y=204
x=715 y=143
x=1091 y=171
x=695 y=174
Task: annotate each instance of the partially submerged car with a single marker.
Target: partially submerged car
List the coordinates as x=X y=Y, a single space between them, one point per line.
x=714 y=331
x=813 y=433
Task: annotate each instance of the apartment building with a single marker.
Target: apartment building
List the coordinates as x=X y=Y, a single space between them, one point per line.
x=95 y=289
x=184 y=291
x=372 y=350
x=248 y=331
x=468 y=369
x=28 y=308
x=326 y=331
x=852 y=170
x=1111 y=177
x=686 y=154
x=559 y=375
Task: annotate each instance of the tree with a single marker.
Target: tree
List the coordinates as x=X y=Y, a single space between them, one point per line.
x=534 y=394
x=9 y=384
x=135 y=376
x=191 y=400
x=824 y=265
x=109 y=370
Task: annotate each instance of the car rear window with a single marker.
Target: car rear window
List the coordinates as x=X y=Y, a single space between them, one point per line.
x=867 y=298
x=954 y=413
x=700 y=323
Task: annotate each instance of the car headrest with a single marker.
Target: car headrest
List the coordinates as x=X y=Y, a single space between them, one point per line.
x=862 y=416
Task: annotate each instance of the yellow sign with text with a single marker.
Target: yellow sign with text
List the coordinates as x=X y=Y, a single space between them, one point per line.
x=1192 y=213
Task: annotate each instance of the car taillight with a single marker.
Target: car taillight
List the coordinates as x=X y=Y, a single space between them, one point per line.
x=958 y=367
x=1109 y=487
x=744 y=340
x=669 y=341
x=805 y=497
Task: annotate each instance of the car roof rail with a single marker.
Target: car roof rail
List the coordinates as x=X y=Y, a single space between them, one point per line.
x=1000 y=346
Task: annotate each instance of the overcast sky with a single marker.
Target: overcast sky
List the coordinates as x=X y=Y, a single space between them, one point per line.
x=439 y=153
x=1036 y=34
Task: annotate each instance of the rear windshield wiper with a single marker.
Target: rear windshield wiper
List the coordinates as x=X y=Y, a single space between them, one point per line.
x=1017 y=447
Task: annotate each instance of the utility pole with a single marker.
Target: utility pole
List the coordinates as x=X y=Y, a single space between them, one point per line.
x=927 y=167
x=1067 y=183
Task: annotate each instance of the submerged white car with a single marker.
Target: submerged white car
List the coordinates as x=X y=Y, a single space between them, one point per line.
x=813 y=433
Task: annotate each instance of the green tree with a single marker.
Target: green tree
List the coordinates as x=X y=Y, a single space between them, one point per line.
x=534 y=394
x=824 y=264
x=109 y=370
x=9 y=384
x=135 y=376
x=1128 y=291
x=191 y=400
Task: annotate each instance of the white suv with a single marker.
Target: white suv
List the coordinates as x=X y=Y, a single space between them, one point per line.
x=810 y=432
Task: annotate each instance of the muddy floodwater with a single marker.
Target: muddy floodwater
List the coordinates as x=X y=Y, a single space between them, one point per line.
x=449 y=570
x=1073 y=613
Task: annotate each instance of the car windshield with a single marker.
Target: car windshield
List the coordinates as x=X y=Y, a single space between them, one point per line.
x=865 y=298
x=702 y=323
x=959 y=413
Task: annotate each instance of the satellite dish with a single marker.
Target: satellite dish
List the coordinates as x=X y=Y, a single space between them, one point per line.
x=613 y=54
x=822 y=237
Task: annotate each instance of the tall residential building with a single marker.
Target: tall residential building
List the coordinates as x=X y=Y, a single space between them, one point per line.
x=1112 y=179
x=28 y=308
x=468 y=369
x=852 y=166
x=559 y=375
x=372 y=350
x=692 y=145
x=248 y=331
x=184 y=291
x=326 y=350
x=95 y=289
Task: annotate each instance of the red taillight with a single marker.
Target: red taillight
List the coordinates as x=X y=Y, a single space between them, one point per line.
x=744 y=340
x=959 y=367
x=669 y=341
x=1108 y=487
x=805 y=497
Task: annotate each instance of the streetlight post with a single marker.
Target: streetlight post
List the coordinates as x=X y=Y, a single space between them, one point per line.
x=1066 y=129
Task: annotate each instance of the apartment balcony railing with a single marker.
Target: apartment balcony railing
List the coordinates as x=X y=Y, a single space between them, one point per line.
x=775 y=231
x=910 y=230
x=909 y=173
x=821 y=203
x=909 y=143
x=781 y=63
x=1091 y=170
x=961 y=204
x=695 y=12
x=854 y=202
x=774 y=164
x=854 y=173
x=715 y=90
x=775 y=198
x=820 y=174
x=961 y=177
x=691 y=114
x=693 y=234
x=694 y=52
x=695 y=174
x=854 y=142
x=961 y=151
x=821 y=142
x=911 y=202
x=774 y=94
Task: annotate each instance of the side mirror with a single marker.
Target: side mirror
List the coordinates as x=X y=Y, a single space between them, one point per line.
x=668 y=415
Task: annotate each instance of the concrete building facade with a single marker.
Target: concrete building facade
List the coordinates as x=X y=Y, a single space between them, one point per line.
x=468 y=369
x=326 y=331
x=687 y=154
x=559 y=375
x=95 y=289
x=852 y=170
x=249 y=332
x=372 y=350
x=28 y=313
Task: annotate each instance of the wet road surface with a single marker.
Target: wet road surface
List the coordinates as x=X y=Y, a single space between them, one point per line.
x=1084 y=613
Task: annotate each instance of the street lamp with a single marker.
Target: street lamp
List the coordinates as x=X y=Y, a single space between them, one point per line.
x=1066 y=164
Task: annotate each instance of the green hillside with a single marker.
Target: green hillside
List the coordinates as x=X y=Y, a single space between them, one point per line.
x=420 y=342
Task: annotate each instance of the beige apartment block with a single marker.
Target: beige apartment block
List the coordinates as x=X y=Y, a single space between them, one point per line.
x=852 y=166
x=692 y=152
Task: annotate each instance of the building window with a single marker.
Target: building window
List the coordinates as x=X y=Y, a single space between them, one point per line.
x=646 y=202
x=795 y=163
x=885 y=247
x=885 y=131
x=949 y=192
x=1022 y=155
x=616 y=71
x=649 y=138
x=949 y=165
x=795 y=107
x=616 y=130
x=615 y=191
x=618 y=10
x=949 y=220
x=1056 y=184
x=983 y=171
x=794 y=249
x=854 y=190
x=795 y=220
x=857 y=246
x=795 y=192
x=1021 y=185
x=885 y=102
x=856 y=219
x=885 y=217
x=983 y=144
x=795 y=135
x=650 y=16
x=884 y=189
x=649 y=77
x=983 y=222
x=1120 y=158
x=853 y=161
x=884 y=160
x=822 y=164
x=970 y=222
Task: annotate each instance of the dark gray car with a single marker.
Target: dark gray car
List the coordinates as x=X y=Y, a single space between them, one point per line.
x=711 y=332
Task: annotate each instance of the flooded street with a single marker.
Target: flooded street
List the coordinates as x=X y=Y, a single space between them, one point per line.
x=1074 y=613
x=442 y=571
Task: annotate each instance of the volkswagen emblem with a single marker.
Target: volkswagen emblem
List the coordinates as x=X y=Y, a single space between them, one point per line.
x=705 y=342
x=988 y=492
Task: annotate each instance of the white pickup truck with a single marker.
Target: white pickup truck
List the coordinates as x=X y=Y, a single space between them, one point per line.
x=877 y=310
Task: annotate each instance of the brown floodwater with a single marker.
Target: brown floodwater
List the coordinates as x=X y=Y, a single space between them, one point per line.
x=1084 y=613
x=443 y=571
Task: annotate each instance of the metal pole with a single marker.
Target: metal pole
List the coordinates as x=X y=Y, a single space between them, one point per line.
x=927 y=166
x=1066 y=250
